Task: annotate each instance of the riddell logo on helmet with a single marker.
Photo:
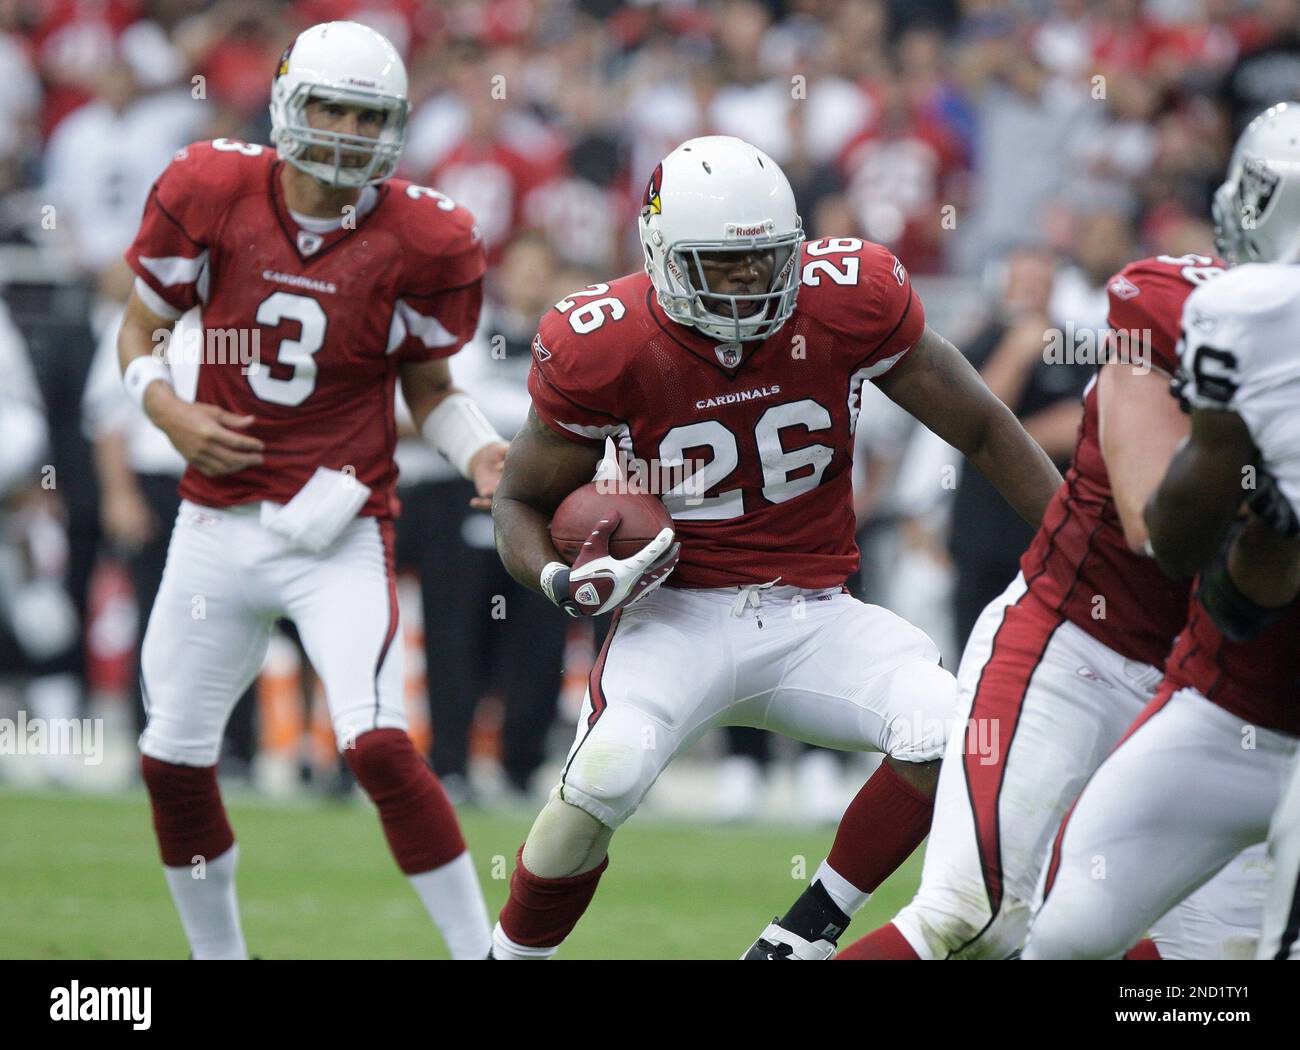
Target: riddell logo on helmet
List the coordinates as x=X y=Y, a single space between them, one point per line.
x=756 y=230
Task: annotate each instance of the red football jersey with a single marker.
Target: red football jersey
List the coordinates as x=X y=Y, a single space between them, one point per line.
x=1257 y=680
x=326 y=319
x=768 y=426
x=1079 y=564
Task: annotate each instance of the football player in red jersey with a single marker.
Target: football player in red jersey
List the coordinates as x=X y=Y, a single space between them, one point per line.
x=734 y=364
x=322 y=284
x=1066 y=658
x=1200 y=774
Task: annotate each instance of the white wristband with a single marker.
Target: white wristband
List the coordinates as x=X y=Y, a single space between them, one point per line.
x=140 y=373
x=458 y=429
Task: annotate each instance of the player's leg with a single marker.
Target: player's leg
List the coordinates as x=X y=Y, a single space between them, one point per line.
x=1033 y=727
x=344 y=604
x=203 y=646
x=859 y=678
x=1281 y=935
x=1167 y=809
x=657 y=684
x=1222 y=919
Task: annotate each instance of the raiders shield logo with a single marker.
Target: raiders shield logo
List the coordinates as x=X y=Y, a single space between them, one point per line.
x=308 y=242
x=728 y=354
x=1255 y=191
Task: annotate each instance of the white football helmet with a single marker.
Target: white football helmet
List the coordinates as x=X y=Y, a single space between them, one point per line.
x=340 y=62
x=1257 y=209
x=720 y=194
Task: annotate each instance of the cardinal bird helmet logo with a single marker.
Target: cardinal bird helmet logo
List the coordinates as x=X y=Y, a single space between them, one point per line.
x=650 y=203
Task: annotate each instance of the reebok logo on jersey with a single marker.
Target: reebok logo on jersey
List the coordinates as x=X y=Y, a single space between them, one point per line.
x=1123 y=288
x=738 y=396
x=539 y=351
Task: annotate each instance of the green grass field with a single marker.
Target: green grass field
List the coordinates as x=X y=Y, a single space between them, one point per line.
x=81 y=881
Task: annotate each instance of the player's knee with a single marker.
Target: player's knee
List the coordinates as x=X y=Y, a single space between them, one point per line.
x=385 y=763
x=925 y=697
x=957 y=922
x=1051 y=937
x=565 y=841
x=612 y=771
x=188 y=815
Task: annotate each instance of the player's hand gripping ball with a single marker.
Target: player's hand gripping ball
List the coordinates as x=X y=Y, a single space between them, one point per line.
x=619 y=547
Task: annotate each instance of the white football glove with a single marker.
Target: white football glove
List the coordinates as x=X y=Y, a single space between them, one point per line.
x=599 y=583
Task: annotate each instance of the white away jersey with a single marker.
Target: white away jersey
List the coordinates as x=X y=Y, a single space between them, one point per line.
x=1241 y=352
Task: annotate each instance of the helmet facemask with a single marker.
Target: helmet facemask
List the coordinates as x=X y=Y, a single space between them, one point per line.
x=294 y=136
x=724 y=315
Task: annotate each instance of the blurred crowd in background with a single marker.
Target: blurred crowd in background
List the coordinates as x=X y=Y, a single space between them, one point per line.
x=1013 y=154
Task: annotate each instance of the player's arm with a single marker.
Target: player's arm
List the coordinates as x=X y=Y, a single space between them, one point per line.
x=939 y=387
x=454 y=425
x=207 y=436
x=1141 y=426
x=1192 y=510
x=540 y=471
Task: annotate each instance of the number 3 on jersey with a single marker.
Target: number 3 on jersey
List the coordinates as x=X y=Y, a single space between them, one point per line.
x=298 y=354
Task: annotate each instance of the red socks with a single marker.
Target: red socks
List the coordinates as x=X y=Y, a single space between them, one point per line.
x=884 y=943
x=882 y=826
x=418 y=819
x=188 y=816
x=542 y=912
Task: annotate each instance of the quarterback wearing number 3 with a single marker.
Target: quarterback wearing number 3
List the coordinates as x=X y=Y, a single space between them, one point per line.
x=349 y=281
x=742 y=350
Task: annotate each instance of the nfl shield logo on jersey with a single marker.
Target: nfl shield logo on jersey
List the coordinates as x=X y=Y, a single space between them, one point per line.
x=728 y=354
x=308 y=242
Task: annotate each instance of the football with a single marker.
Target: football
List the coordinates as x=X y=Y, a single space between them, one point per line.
x=643 y=517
